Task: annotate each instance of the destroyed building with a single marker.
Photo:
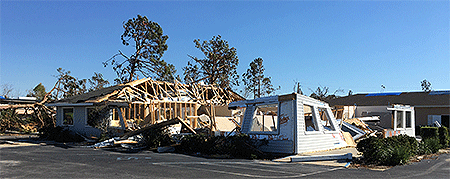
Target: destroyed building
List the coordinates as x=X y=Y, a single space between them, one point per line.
x=145 y=102
x=389 y=120
x=397 y=112
x=21 y=104
x=425 y=103
x=291 y=123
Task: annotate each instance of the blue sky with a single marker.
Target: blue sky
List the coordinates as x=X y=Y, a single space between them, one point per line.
x=339 y=44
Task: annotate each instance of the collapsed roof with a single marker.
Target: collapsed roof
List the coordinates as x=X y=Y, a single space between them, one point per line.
x=147 y=89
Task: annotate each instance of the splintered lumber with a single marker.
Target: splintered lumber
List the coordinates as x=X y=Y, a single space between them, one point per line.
x=186 y=125
x=157 y=125
x=127 y=141
x=349 y=139
x=235 y=122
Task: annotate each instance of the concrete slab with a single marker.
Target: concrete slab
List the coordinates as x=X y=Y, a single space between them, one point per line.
x=336 y=157
x=347 y=156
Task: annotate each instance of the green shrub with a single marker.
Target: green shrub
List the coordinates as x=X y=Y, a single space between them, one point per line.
x=388 y=151
x=242 y=146
x=157 y=137
x=444 y=138
x=440 y=133
x=429 y=146
x=60 y=134
x=369 y=148
x=429 y=132
x=398 y=156
x=195 y=143
x=239 y=146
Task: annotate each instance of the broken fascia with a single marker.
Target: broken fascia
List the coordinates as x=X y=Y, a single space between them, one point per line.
x=69 y=104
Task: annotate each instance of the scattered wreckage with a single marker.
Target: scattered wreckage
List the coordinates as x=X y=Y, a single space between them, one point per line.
x=385 y=121
x=291 y=123
x=25 y=114
x=132 y=108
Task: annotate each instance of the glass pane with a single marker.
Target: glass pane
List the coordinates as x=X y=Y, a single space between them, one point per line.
x=408 y=119
x=68 y=116
x=265 y=118
x=399 y=119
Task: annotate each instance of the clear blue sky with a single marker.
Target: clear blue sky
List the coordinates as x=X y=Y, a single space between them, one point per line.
x=340 y=44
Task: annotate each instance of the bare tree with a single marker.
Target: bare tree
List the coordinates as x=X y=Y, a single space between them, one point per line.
x=321 y=93
x=6 y=90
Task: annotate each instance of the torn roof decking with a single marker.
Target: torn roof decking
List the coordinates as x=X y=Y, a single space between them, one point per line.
x=148 y=89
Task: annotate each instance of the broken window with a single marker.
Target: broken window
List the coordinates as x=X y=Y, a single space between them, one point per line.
x=310 y=125
x=325 y=119
x=265 y=118
x=399 y=119
x=97 y=116
x=408 y=119
x=116 y=114
x=68 y=116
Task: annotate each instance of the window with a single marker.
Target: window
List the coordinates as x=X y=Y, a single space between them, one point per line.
x=68 y=116
x=116 y=114
x=265 y=119
x=96 y=116
x=399 y=119
x=310 y=125
x=408 y=119
x=325 y=119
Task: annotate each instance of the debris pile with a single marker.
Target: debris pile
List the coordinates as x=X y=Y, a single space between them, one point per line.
x=132 y=143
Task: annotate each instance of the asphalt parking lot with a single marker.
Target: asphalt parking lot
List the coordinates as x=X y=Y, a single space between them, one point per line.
x=42 y=160
x=49 y=161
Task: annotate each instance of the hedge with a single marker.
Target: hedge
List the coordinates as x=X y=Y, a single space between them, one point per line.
x=398 y=149
x=442 y=133
x=388 y=151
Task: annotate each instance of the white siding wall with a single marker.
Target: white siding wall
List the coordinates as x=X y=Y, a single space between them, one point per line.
x=79 y=121
x=292 y=137
x=308 y=141
x=248 y=115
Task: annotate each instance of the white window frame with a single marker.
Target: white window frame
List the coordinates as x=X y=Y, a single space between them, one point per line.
x=317 y=121
x=275 y=132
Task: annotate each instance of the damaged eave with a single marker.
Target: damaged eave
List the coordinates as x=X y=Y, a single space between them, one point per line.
x=69 y=104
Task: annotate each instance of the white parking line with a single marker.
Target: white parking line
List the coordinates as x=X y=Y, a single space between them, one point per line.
x=290 y=174
x=253 y=168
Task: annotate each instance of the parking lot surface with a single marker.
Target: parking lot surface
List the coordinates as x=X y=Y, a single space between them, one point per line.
x=43 y=160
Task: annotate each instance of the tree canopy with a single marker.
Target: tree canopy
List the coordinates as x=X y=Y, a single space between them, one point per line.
x=218 y=67
x=69 y=85
x=97 y=82
x=254 y=80
x=38 y=91
x=426 y=85
x=150 y=44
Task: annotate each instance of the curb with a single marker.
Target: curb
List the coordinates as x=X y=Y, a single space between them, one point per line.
x=347 y=156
